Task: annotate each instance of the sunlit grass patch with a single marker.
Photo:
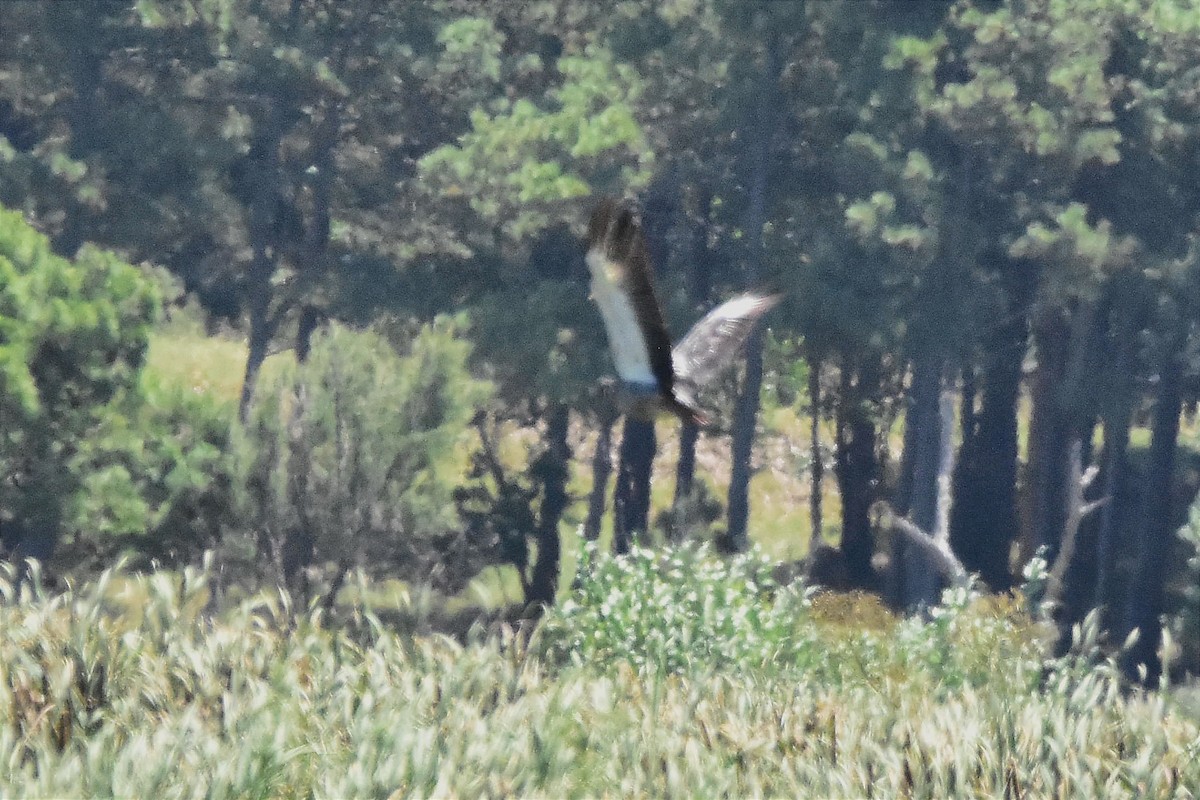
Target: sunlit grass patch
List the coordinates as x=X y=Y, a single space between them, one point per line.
x=182 y=352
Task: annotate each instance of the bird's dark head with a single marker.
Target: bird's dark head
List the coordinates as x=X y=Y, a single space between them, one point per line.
x=613 y=224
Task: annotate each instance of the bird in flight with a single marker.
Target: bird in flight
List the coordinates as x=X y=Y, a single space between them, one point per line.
x=654 y=375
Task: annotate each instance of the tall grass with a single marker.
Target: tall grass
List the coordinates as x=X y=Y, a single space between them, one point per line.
x=666 y=675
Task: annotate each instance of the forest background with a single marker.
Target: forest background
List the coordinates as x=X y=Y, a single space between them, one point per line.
x=358 y=335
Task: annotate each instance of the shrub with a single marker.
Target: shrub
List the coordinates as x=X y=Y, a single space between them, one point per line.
x=686 y=609
x=677 y=609
x=73 y=335
x=153 y=477
x=352 y=457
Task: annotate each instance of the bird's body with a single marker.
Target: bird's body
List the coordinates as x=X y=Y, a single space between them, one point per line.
x=654 y=376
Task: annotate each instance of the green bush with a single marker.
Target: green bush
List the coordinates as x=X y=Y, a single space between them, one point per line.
x=73 y=335
x=673 y=610
x=686 y=609
x=352 y=457
x=154 y=479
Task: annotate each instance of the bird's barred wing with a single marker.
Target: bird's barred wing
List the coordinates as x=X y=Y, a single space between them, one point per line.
x=713 y=342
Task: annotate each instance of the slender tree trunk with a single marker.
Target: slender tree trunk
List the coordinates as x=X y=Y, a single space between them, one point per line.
x=857 y=470
x=631 y=500
x=699 y=289
x=263 y=216
x=1063 y=412
x=916 y=582
x=1049 y=441
x=1117 y=419
x=746 y=409
x=601 y=471
x=554 y=468
x=744 y=420
x=685 y=470
x=1154 y=541
x=921 y=402
x=260 y=333
x=816 y=469
x=1116 y=445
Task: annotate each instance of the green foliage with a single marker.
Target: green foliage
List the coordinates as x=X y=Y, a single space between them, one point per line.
x=671 y=611
x=72 y=339
x=126 y=686
x=357 y=452
x=687 y=610
x=522 y=158
x=153 y=476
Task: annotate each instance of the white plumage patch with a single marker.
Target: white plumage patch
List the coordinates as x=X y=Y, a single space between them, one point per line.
x=626 y=340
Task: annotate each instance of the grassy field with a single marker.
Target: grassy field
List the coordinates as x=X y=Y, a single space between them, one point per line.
x=659 y=676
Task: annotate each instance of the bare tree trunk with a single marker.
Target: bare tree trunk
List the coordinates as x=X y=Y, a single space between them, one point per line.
x=601 y=471
x=1078 y=481
x=984 y=519
x=553 y=468
x=699 y=290
x=746 y=410
x=1147 y=591
x=857 y=468
x=631 y=500
x=263 y=215
x=1116 y=443
x=918 y=581
x=1117 y=418
x=1049 y=440
x=816 y=468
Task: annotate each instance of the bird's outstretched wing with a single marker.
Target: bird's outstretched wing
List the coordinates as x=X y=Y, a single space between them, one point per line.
x=712 y=343
x=623 y=288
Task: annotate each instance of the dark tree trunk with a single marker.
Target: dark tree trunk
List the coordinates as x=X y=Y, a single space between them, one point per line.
x=554 y=466
x=1116 y=445
x=263 y=219
x=744 y=420
x=631 y=500
x=1117 y=418
x=260 y=330
x=857 y=470
x=1154 y=539
x=816 y=469
x=925 y=408
x=699 y=291
x=1049 y=441
x=601 y=471
x=310 y=320
x=1063 y=412
x=920 y=400
x=746 y=409
x=685 y=470
x=984 y=520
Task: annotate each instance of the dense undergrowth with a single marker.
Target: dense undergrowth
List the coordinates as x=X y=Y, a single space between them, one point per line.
x=663 y=674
